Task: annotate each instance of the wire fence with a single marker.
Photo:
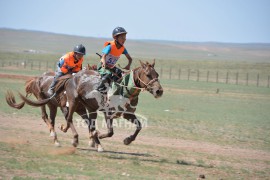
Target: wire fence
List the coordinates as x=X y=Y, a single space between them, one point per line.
x=217 y=76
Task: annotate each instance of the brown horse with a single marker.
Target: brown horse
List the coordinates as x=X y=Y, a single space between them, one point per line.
x=38 y=86
x=81 y=88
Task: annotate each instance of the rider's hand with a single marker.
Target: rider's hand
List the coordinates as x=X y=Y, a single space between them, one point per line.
x=69 y=68
x=127 y=67
x=103 y=65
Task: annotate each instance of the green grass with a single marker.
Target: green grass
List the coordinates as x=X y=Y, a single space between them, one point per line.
x=237 y=115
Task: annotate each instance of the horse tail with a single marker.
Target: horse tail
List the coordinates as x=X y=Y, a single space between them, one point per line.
x=10 y=99
x=34 y=103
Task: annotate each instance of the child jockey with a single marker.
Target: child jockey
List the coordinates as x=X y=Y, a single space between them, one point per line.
x=110 y=54
x=69 y=63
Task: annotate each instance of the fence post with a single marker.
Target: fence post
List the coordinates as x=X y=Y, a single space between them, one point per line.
x=236 y=78
x=170 y=72
x=39 y=65
x=268 y=81
x=247 y=80
x=227 y=77
x=258 y=79
x=179 y=73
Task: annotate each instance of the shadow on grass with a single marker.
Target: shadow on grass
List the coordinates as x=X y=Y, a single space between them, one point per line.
x=186 y=163
x=118 y=152
x=117 y=155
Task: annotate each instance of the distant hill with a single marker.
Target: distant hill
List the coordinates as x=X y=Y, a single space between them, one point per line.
x=24 y=40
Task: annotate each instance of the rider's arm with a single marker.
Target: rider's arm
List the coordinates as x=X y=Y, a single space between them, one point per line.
x=103 y=60
x=129 y=61
x=105 y=52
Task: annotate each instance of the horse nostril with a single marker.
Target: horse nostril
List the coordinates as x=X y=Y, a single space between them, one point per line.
x=159 y=92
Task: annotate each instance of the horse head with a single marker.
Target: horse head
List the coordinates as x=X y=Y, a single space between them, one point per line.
x=147 y=77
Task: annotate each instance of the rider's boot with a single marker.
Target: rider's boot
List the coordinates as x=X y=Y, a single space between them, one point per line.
x=51 y=88
x=104 y=84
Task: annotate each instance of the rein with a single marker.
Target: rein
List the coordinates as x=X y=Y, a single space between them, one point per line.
x=149 y=83
x=134 y=87
x=144 y=83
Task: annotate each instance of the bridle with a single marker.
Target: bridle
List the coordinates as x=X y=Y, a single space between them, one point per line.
x=147 y=85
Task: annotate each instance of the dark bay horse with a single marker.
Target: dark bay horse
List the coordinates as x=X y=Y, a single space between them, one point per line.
x=38 y=86
x=81 y=88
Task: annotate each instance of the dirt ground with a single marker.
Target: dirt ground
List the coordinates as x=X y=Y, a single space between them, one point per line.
x=19 y=130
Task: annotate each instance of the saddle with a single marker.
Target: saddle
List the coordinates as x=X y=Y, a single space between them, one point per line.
x=125 y=87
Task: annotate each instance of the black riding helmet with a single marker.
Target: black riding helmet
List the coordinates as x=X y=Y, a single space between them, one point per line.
x=79 y=49
x=117 y=31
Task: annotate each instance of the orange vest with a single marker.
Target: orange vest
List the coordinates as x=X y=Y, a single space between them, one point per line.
x=69 y=63
x=114 y=55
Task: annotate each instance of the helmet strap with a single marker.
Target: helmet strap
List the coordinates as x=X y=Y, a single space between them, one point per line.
x=117 y=42
x=75 y=57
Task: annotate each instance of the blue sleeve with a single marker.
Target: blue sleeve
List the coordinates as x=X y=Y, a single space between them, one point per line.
x=106 y=50
x=125 y=51
x=61 y=62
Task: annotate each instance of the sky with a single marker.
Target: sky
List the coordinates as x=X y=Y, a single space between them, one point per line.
x=236 y=21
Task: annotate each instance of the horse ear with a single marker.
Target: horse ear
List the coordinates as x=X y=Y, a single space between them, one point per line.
x=88 y=67
x=142 y=64
x=153 y=64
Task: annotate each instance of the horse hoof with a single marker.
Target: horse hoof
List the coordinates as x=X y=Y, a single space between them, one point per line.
x=75 y=143
x=57 y=144
x=100 y=148
x=127 y=141
x=62 y=128
x=53 y=134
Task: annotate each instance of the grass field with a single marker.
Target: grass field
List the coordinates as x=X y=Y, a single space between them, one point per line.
x=218 y=130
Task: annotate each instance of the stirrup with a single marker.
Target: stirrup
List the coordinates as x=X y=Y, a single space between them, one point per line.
x=50 y=92
x=102 y=91
x=54 y=94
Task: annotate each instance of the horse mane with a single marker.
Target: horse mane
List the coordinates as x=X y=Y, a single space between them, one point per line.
x=61 y=82
x=61 y=85
x=32 y=86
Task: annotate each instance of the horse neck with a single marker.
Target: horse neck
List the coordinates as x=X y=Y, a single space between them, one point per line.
x=129 y=85
x=136 y=77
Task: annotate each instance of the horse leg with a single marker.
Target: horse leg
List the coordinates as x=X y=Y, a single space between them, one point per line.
x=50 y=123
x=93 y=135
x=64 y=111
x=45 y=118
x=83 y=113
x=109 y=123
x=132 y=118
x=53 y=111
x=72 y=107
